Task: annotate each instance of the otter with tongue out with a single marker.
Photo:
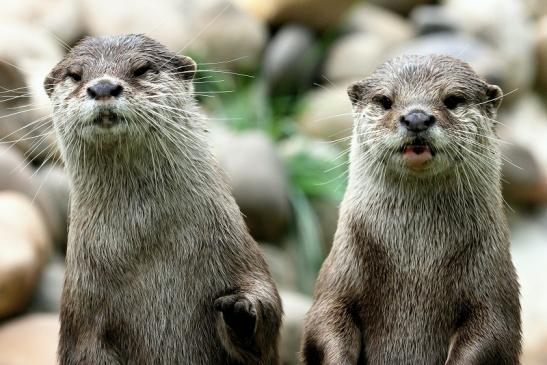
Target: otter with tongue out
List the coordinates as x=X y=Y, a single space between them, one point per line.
x=420 y=270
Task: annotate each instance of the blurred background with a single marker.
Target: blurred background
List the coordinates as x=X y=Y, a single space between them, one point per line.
x=272 y=79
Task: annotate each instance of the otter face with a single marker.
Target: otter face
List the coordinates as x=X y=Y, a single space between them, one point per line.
x=110 y=90
x=422 y=115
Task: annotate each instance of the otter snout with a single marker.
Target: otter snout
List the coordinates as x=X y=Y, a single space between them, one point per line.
x=104 y=90
x=417 y=121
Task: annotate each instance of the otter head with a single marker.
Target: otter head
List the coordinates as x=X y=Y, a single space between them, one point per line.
x=423 y=115
x=117 y=91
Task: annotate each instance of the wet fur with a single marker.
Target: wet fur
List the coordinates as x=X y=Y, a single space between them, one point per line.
x=420 y=270
x=155 y=236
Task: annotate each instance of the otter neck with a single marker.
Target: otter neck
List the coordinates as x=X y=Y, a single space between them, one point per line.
x=461 y=192
x=146 y=171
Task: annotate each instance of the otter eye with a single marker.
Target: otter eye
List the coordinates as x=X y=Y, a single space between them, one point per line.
x=384 y=101
x=141 y=70
x=453 y=101
x=76 y=77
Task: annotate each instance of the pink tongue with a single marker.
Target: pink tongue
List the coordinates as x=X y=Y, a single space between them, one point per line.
x=416 y=155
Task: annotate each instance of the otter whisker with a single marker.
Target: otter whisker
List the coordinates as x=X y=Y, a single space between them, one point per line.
x=496 y=98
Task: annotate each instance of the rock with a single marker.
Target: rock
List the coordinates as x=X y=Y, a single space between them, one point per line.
x=535 y=8
x=357 y=54
x=24 y=248
x=482 y=57
x=541 y=53
x=18 y=175
x=523 y=181
x=22 y=41
x=371 y=19
x=282 y=266
x=317 y=14
x=400 y=6
x=290 y=60
x=525 y=124
x=295 y=307
x=327 y=114
x=258 y=181
x=194 y=27
x=30 y=340
x=28 y=54
x=354 y=57
x=240 y=48
x=504 y=25
x=167 y=21
x=432 y=19
x=47 y=296
x=56 y=185
x=60 y=18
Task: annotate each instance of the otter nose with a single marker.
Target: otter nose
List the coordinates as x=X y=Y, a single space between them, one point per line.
x=104 y=89
x=417 y=121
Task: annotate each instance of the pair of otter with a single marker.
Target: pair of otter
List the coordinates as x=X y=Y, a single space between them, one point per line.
x=161 y=269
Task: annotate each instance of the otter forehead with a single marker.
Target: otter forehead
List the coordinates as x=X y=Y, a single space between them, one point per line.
x=416 y=76
x=120 y=57
x=117 y=54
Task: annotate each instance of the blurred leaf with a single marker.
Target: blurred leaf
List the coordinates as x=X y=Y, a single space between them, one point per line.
x=318 y=177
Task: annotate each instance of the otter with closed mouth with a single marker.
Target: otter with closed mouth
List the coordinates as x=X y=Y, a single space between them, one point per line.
x=160 y=266
x=420 y=271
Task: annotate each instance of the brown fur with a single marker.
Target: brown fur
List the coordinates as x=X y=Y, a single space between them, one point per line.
x=155 y=239
x=420 y=270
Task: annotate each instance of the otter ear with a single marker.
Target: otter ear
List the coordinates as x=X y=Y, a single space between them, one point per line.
x=494 y=96
x=53 y=78
x=186 y=67
x=356 y=92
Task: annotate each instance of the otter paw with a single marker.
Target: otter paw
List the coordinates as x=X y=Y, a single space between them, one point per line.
x=239 y=314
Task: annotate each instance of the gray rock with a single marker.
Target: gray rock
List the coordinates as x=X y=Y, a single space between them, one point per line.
x=25 y=245
x=295 y=307
x=525 y=124
x=432 y=19
x=162 y=20
x=290 y=60
x=60 y=18
x=258 y=180
x=327 y=114
x=536 y=8
x=229 y=38
x=482 y=57
x=55 y=184
x=216 y=30
x=317 y=14
x=24 y=109
x=400 y=6
x=47 y=296
x=282 y=266
x=541 y=53
x=18 y=175
x=523 y=181
x=504 y=25
x=371 y=19
x=354 y=57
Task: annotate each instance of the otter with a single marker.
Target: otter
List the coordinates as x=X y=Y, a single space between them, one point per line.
x=420 y=270
x=160 y=266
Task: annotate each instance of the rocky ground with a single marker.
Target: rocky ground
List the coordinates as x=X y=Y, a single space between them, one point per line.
x=272 y=80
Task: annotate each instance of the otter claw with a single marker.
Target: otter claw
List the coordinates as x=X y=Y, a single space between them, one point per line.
x=239 y=314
